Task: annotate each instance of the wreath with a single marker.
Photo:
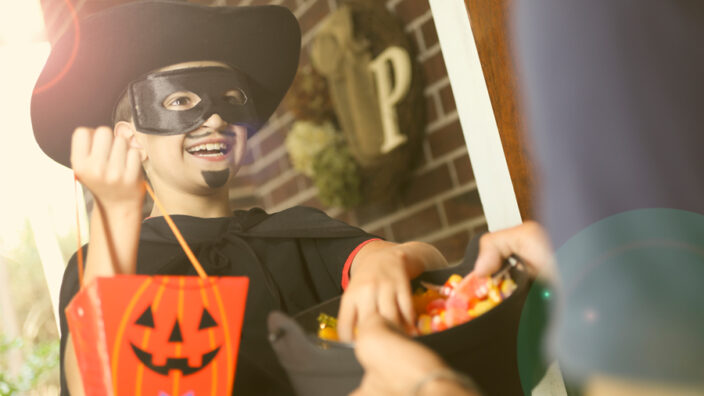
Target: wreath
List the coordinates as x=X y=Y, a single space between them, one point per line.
x=316 y=145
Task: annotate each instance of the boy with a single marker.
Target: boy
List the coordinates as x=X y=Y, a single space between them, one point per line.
x=184 y=85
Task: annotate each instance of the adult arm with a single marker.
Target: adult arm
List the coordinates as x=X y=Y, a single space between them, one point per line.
x=529 y=241
x=395 y=365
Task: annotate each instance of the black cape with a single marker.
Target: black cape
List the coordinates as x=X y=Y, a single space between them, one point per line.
x=294 y=260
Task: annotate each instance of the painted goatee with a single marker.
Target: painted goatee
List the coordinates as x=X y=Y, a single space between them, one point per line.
x=216 y=179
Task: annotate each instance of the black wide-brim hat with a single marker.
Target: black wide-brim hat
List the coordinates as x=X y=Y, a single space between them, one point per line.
x=80 y=86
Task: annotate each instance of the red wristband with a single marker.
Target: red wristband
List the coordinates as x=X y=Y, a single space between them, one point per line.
x=348 y=263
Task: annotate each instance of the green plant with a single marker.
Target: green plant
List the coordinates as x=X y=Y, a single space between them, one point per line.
x=306 y=140
x=336 y=175
x=40 y=361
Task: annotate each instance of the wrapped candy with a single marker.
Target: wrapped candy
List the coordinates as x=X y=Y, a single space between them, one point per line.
x=425 y=324
x=435 y=307
x=458 y=300
x=507 y=287
x=493 y=292
x=327 y=327
x=473 y=287
x=437 y=323
x=453 y=280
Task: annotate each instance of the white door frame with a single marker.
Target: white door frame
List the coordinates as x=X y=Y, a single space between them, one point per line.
x=481 y=133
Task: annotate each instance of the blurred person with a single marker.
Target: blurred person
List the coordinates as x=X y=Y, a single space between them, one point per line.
x=613 y=93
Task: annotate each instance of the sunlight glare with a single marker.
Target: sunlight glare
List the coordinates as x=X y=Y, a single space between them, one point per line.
x=21 y=21
x=35 y=188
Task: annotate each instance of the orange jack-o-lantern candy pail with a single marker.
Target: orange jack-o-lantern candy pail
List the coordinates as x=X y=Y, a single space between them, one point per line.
x=158 y=335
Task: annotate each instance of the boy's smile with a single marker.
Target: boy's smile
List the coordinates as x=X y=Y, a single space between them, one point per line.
x=215 y=147
x=210 y=146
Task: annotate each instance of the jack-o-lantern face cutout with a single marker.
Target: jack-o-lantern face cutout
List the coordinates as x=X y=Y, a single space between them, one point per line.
x=176 y=336
x=163 y=334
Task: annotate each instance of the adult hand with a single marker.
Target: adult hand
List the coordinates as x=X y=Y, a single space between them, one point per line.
x=395 y=365
x=380 y=283
x=108 y=166
x=529 y=241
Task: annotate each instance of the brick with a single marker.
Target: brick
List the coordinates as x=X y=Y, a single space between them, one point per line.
x=305 y=182
x=420 y=158
x=430 y=34
x=273 y=141
x=285 y=163
x=427 y=185
x=375 y=210
x=280 y=111
x=290 y=4
x=314 y=203
x=319 y=10
x=447 y=99
x=285 y=191
x=380 y=232
x=434 y=68
x=248 y=157
x=415 y=44
x=346 y=217
x=241 y=181
x=408 y=10
x=417 y=224
x=480 y=229
x=431 y=110
x=266 y=173
x=304 y=59
x=454 y=246
x=246 y=202
x=463 y=207
x=446 y=139
x=463 y=169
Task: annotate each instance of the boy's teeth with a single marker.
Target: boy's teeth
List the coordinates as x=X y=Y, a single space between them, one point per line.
x=208 y=147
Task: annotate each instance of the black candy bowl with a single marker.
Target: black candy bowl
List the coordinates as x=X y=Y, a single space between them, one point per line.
x=484 y=348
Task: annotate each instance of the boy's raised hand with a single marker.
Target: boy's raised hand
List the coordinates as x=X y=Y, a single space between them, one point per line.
x=380 y=284
x=108 y=166
x=111 y=169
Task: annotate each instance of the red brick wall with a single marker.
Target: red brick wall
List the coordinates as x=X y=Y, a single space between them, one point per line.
x=439 y=204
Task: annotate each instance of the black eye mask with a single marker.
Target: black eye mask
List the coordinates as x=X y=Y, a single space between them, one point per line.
x=148 y=94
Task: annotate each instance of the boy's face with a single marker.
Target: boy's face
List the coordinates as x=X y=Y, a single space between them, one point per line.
x=198 y=161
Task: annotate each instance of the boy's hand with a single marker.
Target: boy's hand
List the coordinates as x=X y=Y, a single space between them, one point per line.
x=380 y=284
x=107 y=166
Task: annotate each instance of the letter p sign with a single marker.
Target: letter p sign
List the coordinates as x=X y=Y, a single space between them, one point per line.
x=396 y=59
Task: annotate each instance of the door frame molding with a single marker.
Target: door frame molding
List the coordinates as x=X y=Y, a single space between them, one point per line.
x=476 y=114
